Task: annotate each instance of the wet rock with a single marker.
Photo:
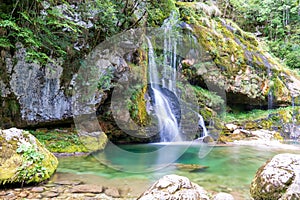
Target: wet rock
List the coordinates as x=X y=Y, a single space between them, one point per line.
x=223 y=196
x=37 y=189
x=207 y=139
x=190 y=167
x=87 y=189
x=15 y=143
x=113 y=192
x=174 y=187
x=278 y=179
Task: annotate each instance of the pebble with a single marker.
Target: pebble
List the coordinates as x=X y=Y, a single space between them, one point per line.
x=34 y=196
x=90 y=195
x=50 y=185
x=37 y=189
x=113 y=192
x=87 y=189
x=10 y=196
x=50 y=194
x=23 y=194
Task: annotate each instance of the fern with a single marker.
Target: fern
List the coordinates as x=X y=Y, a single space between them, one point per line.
x=5 y=43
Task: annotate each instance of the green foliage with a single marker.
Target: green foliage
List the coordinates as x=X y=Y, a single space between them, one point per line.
x=47 y=30
x=38 y=28
x=31 y=168
x=105 y=81
x=60 y=142
x=252 y=115
x=288 y=51
x=158 y=11
x=208 y=98
x=277 y=21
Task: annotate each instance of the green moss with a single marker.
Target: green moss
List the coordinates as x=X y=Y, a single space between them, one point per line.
x=158 y=11
x=280 y=91
x=24 y=160
x=208 y=98
x=94 y=142
x=60 y=141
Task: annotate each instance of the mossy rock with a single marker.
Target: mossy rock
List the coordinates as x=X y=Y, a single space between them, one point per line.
x=239 y=63
x=250 y=125
x=23 y=159
x=94 y=141
x=277 y=179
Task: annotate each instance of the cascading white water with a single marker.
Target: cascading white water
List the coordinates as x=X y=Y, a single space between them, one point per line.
x=170 y=53
x=169 y=130
x=270 y=93
x=202 y=125
x=167 y=121
x=168 y=126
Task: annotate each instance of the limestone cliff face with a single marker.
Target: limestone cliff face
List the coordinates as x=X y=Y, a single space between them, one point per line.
x=38 y=95
x=33 y=95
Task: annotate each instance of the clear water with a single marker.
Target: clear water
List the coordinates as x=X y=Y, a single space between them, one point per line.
x=230 y=168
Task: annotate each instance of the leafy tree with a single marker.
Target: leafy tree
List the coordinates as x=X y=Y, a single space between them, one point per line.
x=278 y=21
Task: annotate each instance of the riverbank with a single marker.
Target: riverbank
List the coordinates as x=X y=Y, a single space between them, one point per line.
x=82 y=177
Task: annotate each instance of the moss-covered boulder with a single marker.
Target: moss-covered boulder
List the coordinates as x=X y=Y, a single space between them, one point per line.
x=23 y=160
x=278 y=179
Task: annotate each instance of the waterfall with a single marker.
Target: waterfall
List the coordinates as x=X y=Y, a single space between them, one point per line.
x=201 y=124
x=168 y=126
x=163 y=80
x=270 y=93
x=294 y=129
x=170 y=53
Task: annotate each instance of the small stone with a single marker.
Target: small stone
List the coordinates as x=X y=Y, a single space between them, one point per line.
x=113 y=192
x=90 y=195
x=34 y=196
x=223 y=196
x=237 y=131
x=23 y=194
x=87 y=189
x=18 y=189
x=11 y=196
x=50 y=194
x=37 y=189
x=231 y=127
x=3 y=193
x=50 y=185
x=91 y=198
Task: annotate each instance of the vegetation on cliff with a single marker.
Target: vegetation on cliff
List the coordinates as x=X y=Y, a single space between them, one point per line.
x=232 y=60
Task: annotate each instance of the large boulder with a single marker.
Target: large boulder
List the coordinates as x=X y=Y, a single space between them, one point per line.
x=23 y=160
x=278 y=179
x=174 y=187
